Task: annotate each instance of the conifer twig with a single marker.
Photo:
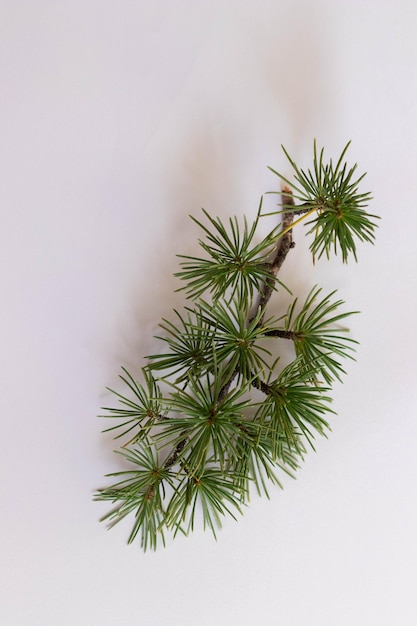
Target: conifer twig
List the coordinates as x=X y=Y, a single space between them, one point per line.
x=196 y=438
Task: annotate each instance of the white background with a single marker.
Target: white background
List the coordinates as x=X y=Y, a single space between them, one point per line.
x=118 y=119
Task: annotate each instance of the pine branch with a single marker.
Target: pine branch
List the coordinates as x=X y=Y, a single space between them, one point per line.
x=197 y=435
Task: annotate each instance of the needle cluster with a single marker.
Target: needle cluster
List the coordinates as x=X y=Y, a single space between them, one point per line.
x=215 y=416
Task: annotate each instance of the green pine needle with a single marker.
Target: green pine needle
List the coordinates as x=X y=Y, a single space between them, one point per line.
x=319 y=338
x=234 y=264
x=332 y=191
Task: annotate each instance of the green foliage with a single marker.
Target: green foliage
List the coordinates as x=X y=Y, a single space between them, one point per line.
x=295 y=405
x=190 y=345
x=318 y=336
x=142 y=492
x=216 y=417
x=202 y=426
x=331 y=194
x=233 y=265
x=143 y=407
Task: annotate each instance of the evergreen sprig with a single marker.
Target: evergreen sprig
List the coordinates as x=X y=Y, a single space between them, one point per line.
x=143 y=407
x=330 y=193
x=215 y=417
x=141 y=491
x=234 y=265
x=319 y=337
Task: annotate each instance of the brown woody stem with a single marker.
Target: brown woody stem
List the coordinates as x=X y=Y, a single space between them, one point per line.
x=283 y=334
x=285 y=243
